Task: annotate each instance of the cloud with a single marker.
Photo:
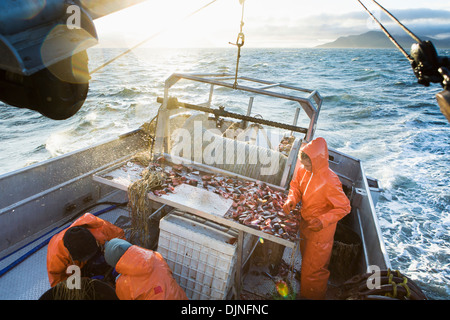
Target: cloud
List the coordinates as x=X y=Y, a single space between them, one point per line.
x=423 y=13
x=317 y=29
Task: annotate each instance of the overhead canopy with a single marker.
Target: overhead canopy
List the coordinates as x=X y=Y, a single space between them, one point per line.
x=35 y=35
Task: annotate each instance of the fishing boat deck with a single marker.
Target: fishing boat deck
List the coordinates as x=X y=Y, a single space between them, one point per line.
x=31 y=213
x=28 y=279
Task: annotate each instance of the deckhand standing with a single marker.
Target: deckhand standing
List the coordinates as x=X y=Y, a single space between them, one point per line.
x=324 y=203
x=80 y=245
x=143 y=273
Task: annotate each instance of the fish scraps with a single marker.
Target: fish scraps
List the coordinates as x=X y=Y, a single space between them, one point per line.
x=255 y=204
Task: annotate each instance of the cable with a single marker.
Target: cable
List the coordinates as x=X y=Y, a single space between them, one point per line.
x=239 y=43
x=147 y=39
x=409 y=32
x=388 y=34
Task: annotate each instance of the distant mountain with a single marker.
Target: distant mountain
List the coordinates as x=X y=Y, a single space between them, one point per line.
x=377 y=39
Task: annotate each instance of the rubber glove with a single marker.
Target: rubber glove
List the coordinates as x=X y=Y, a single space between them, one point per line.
x=288 y=206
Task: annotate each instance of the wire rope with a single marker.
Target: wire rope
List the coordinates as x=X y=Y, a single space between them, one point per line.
x=387 y=33
x=409 y=32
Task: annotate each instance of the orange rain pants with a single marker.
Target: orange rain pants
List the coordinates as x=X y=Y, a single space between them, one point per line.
x=322 y=197
x=145 y=275
x=58 y=258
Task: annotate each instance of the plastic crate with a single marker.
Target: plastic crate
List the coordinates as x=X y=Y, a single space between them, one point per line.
x=200 y=255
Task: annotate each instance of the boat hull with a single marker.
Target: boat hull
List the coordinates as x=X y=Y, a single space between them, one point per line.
x=38 y=198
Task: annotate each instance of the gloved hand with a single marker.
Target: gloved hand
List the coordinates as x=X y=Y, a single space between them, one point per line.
x=315 y=225
x=288 y=206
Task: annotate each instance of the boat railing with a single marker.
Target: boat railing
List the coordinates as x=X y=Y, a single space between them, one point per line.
x=311 y=104
x=308 y=100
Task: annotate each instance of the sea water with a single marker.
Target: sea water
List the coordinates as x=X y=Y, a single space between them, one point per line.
x=373 y=110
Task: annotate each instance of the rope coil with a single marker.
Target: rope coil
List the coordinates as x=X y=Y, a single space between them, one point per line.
x=393 y=286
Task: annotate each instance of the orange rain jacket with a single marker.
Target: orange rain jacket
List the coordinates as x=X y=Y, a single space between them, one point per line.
x=322 y=197
x=145 y=275
x=58 y=258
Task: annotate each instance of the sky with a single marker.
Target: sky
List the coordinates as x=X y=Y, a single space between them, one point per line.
x=267 y=23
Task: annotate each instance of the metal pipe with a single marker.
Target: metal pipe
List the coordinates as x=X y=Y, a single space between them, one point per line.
x=156 y=212
x=366 y=257
x=294 y=123
x=227 y=114
x=48 y=191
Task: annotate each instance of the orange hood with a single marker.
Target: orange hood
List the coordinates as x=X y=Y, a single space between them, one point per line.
x=317 y=151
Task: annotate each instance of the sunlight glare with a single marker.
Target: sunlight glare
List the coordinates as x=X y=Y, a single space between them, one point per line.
x=168 y=26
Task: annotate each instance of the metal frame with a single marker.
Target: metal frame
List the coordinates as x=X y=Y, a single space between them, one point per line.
x=311 y=104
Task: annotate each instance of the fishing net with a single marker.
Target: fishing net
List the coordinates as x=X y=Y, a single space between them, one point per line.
x=140 y=209
x=90 y=289
x=347 y=247
x=143 y=158
x=207 y=145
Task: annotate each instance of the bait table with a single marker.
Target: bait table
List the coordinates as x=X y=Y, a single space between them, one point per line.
x=194 y=200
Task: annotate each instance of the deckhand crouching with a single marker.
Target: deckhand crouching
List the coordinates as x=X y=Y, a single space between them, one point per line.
x=143 y=273
x=324 y=203
x=98 y=248
x=80 y=245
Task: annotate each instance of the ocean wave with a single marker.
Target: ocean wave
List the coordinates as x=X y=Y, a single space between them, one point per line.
x=368 y=77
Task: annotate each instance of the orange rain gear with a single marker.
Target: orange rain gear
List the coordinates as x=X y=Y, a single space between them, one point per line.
x=145 y=275
x=58 y=258
x=322 y=197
